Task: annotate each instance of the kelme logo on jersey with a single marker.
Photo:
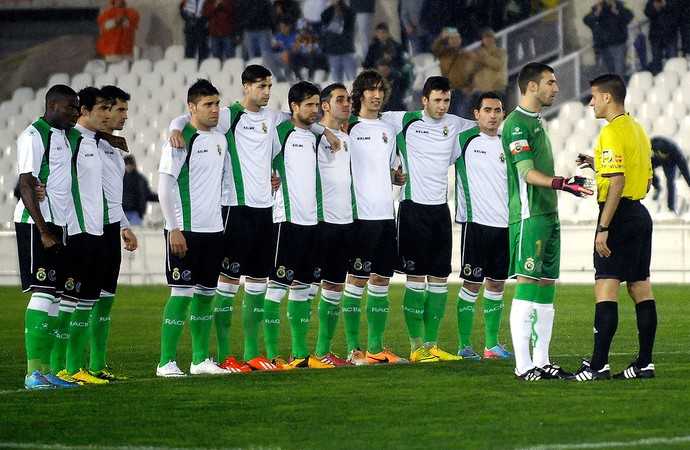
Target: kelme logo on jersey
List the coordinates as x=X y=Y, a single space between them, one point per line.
x=176 y=274
x=384 y=136
x=358 y=264
x=529 y=265
x=41 y=274
x=281 y=272
x=445 y=131
x=264 y=128
x=467 y=270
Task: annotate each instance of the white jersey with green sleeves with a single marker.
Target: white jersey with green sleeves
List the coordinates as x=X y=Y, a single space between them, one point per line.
x=524 y=138
x=46 y=153
x=198 y=170
x=89 y=210
x=372 y=146
x=333 y=180
x=427 y=147
x=295 y=163
x=481 y=180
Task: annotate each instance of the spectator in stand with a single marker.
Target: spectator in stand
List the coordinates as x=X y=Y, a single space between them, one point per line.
x=609 y=21
x=668 y=155
x=521 y=43
x=435 y=15
x=471 y=16
x=118 y=25
x=288 y=10
x=398 y=82
x=412 y=29
x=457 y=64
x=338 y=26
x=255 y=22
x=491 y=66
x=311 y=13
x=383 y=46
x=306 y=53
x=222 y=29
x=364 y=11
x=136 y=193
x=283 y=44
x=663 y=31
x=195 y=29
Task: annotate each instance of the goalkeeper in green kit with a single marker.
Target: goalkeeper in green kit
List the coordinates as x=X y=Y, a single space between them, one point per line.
x=534 y=228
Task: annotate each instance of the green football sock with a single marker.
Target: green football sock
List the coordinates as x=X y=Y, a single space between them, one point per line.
x=329 y=311
x=274 y=295
x=252 y=317
x=99 y=330
x=222 y=316
x=377 y=316
x=434 y=310
x=298 y=317
x=465 y=306
x=493 y=312
x=59 y=351
x=174 y=317
x=78 y=336
x=53 y=326
x=200 y=324
x=413 y=310
x=352 y=315
x=36 y=329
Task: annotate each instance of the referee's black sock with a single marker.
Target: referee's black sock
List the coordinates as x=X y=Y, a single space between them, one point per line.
x=605 y=325
x=646 y=330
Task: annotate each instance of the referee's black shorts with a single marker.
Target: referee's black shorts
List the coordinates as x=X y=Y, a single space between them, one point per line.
x=630 y=242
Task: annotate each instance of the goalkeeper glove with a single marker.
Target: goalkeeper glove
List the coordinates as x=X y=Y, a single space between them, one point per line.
x=575 y=185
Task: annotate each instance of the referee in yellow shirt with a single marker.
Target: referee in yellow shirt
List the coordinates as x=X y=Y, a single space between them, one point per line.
x=623 y=240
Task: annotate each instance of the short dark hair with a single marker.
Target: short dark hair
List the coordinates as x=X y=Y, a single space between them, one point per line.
x=301 y=91
x=382 y=26
x=114 y=93
x=327 y=92
x=488 y=94
x=130 y=161
x=436 y=83
x=253 y=73
x=531 y=72
x=90 y=96
x=59 y=92
x=368 y=79
x=613 y=84
x=201 y=88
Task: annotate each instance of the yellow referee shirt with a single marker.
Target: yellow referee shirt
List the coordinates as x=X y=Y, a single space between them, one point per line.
x=623 y=148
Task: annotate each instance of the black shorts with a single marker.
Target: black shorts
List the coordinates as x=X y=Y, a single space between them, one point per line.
x=630 y=241
x=112 y=257
x=333 y=249
x=247 y=242
x=83 y=260
x=294 y=253
x=425 y=239
x=39 y=268
x=373 y=248
x=199 y=267
x=485 y=252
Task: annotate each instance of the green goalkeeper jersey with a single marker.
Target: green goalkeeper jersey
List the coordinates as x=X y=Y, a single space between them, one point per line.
x=524 y=138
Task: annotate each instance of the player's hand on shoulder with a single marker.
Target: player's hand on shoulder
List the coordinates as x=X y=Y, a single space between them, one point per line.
x=176 y=139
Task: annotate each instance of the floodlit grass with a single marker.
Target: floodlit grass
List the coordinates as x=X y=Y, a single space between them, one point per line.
x=466 y=404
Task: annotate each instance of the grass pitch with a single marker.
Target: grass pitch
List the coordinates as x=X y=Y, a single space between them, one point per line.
x=466 y=404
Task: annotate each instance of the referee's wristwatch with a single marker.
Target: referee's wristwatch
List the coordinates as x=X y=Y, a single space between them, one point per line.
x=602 y=229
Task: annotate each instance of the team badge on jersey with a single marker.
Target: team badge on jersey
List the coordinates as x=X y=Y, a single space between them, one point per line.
x=502 y=157
x=445 y=131
x=529 y=265
x=41 y=274
x=264 y=128
x=220 y=152
x=176 y=274
x=384 y=136
x=519 y=146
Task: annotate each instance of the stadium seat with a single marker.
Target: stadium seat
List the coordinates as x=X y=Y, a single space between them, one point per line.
x=635 y=97
x=104 y=79
x=659 y=95
x=189 y=67
x=685 y=80
x=559 y=127
x=174 y=53
x=572 y=111
x=210 y=67
x=682 y=137
x=95 y=66
x=641 y=80
x=8 y=138
x=81 y=80
x=164 y=66
x=141 y=66
x=587 y=127
x=41 y=93
x=678 y=65
x=665 y=126
x=152 y=52
x=23 y=94
x=32 y=109
x=234 y=65
x=128 y=81
x=58 y=78
x=667 y=80
x=176 y=80
x=118 y=68
x=676 y=109
x=151 y=80
x=648 y=110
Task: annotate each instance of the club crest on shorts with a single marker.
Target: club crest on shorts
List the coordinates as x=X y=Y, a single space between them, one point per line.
x=467 y=270
x=41 y=274
x=69 y=284
x=176 y=274
x=225 y=264
x=357 y=264
x=529 y=265
x=281 y=272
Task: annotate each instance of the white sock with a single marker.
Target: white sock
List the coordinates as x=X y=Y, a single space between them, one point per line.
x=521 y=332
x=541 y=337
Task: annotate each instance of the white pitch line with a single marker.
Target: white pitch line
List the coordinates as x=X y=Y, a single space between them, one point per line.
x=640 y=442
